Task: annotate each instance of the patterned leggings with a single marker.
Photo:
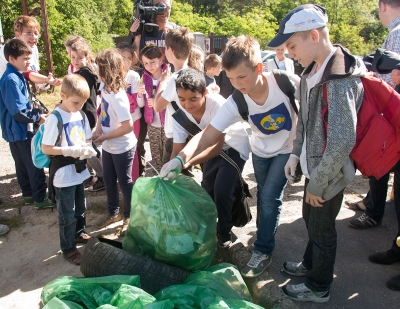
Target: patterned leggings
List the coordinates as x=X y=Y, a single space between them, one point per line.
x=156 y=139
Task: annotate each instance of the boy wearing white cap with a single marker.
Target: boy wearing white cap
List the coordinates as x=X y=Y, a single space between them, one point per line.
x=323 y=155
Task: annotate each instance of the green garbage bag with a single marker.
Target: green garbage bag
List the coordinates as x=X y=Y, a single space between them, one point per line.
x=164 y=304
x=222 y=303
x=202 y=288
x=172 y=221
x=56 y=303
x=131 y=297
x=87 y=292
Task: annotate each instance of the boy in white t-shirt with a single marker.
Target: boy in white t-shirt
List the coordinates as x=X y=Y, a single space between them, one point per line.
x=68 y=171
x=273 y=122
x=219 y=176
x=178 y=43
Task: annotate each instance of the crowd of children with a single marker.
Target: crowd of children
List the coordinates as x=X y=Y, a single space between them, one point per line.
x=106 y=102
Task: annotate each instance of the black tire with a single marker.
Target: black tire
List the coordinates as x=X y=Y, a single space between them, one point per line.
x=105 y=259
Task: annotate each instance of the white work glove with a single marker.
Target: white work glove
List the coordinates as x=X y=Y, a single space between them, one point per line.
x=171 y=168
x=290 y=167
x=78 y=152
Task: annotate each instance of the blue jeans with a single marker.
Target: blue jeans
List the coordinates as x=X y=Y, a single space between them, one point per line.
x=271 y=182
x=320 y=253
x=71 y=206
x=118 y=167
x=31 y=179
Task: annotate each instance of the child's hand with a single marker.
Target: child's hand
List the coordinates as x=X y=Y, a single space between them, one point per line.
x=53 y=81
x=141 y=90
x=166 y=75
x=150 y=102
x=99 y=139
x=42 y=118
x=135 y=26
x=96 y=135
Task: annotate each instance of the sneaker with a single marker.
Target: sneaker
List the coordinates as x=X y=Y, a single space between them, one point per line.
x=125 y=225
x=90 y=181
x=4 y=229
x=295 y=269
x=98 y=185
x=224 y=241
x=257 y=264
x=108 y=220
x=44 y=204
x=28 y=200
x=386 y=258
x=363 y=222
x=300 y=292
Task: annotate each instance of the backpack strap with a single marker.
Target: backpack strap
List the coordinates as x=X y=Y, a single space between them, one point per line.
x=59 y=126
x=241 y=104
x=175 y=106
x=284 y=83
x=181 y=118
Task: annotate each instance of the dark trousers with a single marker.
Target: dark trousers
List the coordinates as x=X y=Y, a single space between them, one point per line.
x=168 y=145
x=118 y=167
x=31 y=179
x=71 y=206
x=320 y=253
x=140 y=145
x=376 y=199
x=219 y=180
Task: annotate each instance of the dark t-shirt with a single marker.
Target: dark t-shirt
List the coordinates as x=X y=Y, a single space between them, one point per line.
x=209 y=80
x=159 y=41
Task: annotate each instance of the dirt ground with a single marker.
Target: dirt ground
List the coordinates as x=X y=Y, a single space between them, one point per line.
x=29 y=253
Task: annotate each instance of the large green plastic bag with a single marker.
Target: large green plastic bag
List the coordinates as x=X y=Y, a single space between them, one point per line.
x=204 y=287
x=56 y=303
x=223 y=303
x=172 y=221
x=131 y=297
x=88 y=292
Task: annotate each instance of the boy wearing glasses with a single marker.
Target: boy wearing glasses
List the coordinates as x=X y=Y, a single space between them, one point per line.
x=27 y=29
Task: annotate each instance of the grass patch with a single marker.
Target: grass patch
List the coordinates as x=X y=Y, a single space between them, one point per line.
x=11 y=222
x=50 y=98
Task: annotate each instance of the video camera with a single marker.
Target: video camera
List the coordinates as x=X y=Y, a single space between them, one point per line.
x=145 y=12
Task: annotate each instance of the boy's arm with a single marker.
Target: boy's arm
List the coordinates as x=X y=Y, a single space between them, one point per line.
x=38 y=78
x=159 y=102
x=209 y=153
x=341 y=135
x=16 y=103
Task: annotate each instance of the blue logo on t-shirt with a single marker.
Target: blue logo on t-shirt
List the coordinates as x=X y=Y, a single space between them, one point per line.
x=105 y=117
x=273 y=121
x=74 y=132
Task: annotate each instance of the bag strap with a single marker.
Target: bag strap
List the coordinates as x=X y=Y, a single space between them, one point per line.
x=277 y=66
x=181 y=118
x=233 y=163
x=59 y=126
x=284 y=83
x=241 y=104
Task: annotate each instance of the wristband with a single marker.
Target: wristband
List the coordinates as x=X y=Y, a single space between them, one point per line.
x=180 y=160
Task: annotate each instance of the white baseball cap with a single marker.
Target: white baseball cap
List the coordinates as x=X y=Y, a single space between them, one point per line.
x=302 y=18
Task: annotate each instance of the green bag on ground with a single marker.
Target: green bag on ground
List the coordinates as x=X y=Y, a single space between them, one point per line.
x=203 y=288
x=131 y=297
x=172 y=221
x=56 y=303
x=222 y=303
x=87 y=292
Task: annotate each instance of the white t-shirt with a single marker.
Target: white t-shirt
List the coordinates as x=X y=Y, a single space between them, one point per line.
x=273 y=123
x=312 y=80
x=236 y=135
x=132 y=80
x=170 y=95
x=114 y=110
x=75 y=132
x=34 y=60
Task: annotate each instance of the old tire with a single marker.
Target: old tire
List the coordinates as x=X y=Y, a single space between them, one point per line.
x=104 y=259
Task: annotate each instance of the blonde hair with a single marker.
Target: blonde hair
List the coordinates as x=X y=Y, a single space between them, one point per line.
x=242 y=49
x=212 y=61
x=180 y=41
x=196 y=53
x=74 y=84
x=73 y=39
x=111 y=69
x=80 y=46
x=25 y=21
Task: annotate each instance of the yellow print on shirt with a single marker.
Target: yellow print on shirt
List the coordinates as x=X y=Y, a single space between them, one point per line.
x=271 y=124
